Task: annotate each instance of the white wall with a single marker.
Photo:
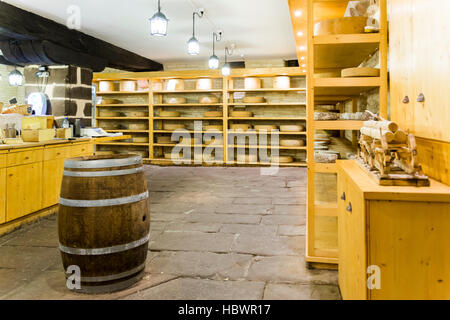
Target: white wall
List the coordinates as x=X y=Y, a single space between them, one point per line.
x=6 y=91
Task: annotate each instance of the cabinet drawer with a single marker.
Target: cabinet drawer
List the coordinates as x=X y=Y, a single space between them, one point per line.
x=24 y=157
x=55 y=153
x=81 y=149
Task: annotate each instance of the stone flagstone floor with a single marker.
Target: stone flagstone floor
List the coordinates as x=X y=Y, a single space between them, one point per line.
x=216 y=233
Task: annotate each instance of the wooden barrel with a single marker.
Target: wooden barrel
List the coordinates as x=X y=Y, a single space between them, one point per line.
x=104 y=220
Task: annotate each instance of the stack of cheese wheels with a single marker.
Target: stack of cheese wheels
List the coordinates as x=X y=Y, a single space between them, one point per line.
x=164 y=140
x=208 y=100
x=345 y=25
x=174 y=85
x=251 y=83
x=214 y=127
x=212 y=114
x=265 y=127
x=360 y=72
x=282 y=82
x=164 y=113
x=137 y=114
x=137 y=126
x=108 y=113
x=175 y=100
x=203 y=84
x=174 y=126
x=253 y=100
x=241 y=114
x=247 y=158
x=291 y=128
x=240 y=126
x=140 y=139
x=282 y=159
x=157 y=85
x=128 y=85
x=292 y=142
x=106 y=86
x=189 y=141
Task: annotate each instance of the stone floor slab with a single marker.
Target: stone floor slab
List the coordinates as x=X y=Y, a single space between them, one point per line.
x=277 y=291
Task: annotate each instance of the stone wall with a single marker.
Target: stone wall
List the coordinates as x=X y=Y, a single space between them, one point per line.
x=6 y=91
x=69 y=91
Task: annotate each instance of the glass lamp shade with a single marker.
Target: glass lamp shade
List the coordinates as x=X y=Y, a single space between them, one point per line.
x=226 y=70
x=213 y=62
x=15 y=78
x=158 y=25
x=193 y=46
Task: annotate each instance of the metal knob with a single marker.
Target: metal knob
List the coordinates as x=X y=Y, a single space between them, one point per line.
x=343 y=196
x=421 y=98
x=405 y=99
x=349 y=207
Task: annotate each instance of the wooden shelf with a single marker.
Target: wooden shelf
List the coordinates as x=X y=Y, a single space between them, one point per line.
x=267 y=118
x=126 y=130
x=268 y=104
x=267 y=90
x=343 y=50
x=122 y=144
x=344 y=86
x=122 y=105
x=268 y=132
x=120 y=92
x=338 y=125
x=187 y=104
x=189 y=91
x=188 y=145
x=187 y=118
x=181 y=131
x=292 y=164
x=122 y=118
x=265 y=147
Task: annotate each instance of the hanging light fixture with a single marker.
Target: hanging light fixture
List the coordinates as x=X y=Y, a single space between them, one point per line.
x=226 y=68
x=15 y=78
x=193 y=44
x=214 y=60
x=158 y=23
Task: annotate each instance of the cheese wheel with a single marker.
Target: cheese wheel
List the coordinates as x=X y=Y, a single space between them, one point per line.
x=247 y=158
x=189 y=141
x=203 y=84
x=137 y=114
x=140 y=139
x=164 y=140
x=105 y=86
x=265 y=127
x=174 y=85
x=128 y=85
x=177 y=100
x=214 y=127
x=331 y=74
x=254 y=100
x=291 y=128
x=174 y=126
x=109 y=101
x=137 y=126
x=282 y=159
x=216 y=114
x=282 y=82
x=164 y=113
x=241 y=114
x=292 y=142
x=107 y=113
x=240 y=126
x=252 y=83
x=208 y=99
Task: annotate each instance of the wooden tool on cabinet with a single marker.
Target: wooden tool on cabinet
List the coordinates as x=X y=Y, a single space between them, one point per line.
x=390 y=154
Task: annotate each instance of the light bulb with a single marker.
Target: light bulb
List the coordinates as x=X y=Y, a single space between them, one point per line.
x=193 y=46
x=226 y=70
x=213 y=62
x=158 y=25
x=300 y=34
x=15 y=78
x=298 y=13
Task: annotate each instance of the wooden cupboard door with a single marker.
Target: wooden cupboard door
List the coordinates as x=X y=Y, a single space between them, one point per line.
x=401 y=63
x=352 y=242
x=24 y=190
x=431 y=68
x=52 y=174
x=2 y=195
x=410 y=245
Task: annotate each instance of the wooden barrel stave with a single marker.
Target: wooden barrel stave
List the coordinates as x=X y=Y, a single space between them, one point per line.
x=107 y=240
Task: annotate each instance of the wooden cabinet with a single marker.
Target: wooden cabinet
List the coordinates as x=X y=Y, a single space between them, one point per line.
x=403 y=231
x=419 y=55
x=52 y=172
x=24 y=190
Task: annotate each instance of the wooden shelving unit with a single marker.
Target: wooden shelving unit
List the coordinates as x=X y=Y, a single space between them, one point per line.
x=291 y=102
x=331 y=53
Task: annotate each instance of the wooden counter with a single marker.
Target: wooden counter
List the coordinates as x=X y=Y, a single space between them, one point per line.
x=31 y=175
x=403 y=231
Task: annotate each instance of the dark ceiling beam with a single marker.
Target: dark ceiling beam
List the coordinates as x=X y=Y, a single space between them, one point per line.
x=19 y=24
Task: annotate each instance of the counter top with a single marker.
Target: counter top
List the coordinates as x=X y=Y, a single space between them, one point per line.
x=6 y=147
x=437 y=191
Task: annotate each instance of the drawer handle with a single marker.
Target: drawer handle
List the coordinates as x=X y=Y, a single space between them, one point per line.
x=26 y=158
x=349 y=207
x=406 y=99
x=421 y=98
x=343 y=196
